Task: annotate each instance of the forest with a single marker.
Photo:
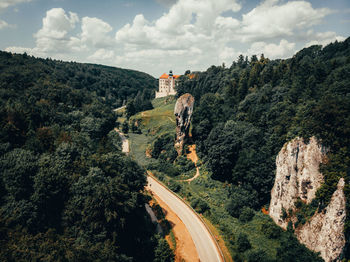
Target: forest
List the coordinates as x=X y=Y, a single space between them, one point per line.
x=76 y=197
x=246 y=112
x=67 y=193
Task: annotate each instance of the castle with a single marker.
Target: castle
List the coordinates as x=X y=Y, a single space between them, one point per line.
x=167 y=84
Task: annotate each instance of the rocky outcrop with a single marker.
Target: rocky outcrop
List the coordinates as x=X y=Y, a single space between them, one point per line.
x=324 y=233
x=183 y=113
x=298 y=177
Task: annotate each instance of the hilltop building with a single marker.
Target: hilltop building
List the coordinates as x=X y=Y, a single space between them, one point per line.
x=167 y=84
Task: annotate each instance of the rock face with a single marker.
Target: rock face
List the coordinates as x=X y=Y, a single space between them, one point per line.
x=183 y=112
x=298 y=177
x=324 y=233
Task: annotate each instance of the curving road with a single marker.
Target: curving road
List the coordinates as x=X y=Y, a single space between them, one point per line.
x=205 y=244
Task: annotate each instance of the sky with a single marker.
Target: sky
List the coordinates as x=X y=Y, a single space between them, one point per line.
x=155 y=36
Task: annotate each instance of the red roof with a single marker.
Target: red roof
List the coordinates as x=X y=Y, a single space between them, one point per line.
x=164 y=76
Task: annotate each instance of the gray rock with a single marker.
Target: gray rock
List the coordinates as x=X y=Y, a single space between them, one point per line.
x=298 y=177
x=183 y=113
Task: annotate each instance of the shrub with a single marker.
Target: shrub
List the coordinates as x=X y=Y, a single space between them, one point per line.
x=199 y=205
x=271 y=230
x=239 y=198
x=246 y=215
x=174 y=186
x=256 y=255
x=243 y=243
x=158 y=211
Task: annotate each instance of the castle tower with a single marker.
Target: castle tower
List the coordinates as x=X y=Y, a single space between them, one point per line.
x=167 y=84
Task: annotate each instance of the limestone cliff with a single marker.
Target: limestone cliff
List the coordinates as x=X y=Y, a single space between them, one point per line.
x=183 y=112
x=298 y=177
x=324 y=233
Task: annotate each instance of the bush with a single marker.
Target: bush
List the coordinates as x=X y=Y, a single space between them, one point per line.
x=257 y=255
x=158 y=211
x=246 y=215
x=199 y=205
x=184 y=164
x=240 y=198
x=271 y=230
x=243 y=243
x=163 y=252
x=174 y=186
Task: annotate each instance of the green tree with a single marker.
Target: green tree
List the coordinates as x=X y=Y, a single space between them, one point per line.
x=125 y=127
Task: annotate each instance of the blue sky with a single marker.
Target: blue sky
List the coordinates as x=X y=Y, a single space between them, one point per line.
x=157 y=35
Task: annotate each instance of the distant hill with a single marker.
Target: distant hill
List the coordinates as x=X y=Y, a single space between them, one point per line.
x=114 y=85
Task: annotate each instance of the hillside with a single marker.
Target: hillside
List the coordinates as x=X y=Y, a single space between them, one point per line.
x=243 y=116
x=114 y=85
x=67 y=193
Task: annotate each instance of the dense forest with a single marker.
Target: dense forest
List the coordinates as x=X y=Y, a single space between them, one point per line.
x=246 y=112
x=67 y=193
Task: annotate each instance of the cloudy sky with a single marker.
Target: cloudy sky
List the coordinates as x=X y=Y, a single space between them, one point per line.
x=157 y=35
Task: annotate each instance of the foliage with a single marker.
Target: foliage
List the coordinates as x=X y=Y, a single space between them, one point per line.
x=290 y=247
x=125 y=127
x=246 y=214
x=243 y=243
x=67 y=193
x=163 y=253
x=244 y=114
x=199 y=205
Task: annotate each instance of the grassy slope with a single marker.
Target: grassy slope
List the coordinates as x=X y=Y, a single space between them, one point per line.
x=160 y=120
x=153 y=122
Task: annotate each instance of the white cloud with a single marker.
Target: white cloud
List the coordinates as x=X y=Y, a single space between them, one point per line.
x=227 y=22
x=323 y=38
x=3 y=24
x=137 y=33
x=95 y=32
x=57 y=23
x=228 y=54
x=272 y=20
x=53 y=36
x=282 y=50
x=102 y=55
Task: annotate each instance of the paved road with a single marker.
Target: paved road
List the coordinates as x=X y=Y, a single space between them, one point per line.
x=202 y=239
x=205 y=245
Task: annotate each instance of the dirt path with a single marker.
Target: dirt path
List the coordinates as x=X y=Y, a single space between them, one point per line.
x=172 y=120
x=125 y=142
x=194 y=158
x=185 y=248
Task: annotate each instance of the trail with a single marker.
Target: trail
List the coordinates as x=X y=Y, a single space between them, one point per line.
x=172 y=120
x=119 y=108
x=125 y=141
x=194 y=158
